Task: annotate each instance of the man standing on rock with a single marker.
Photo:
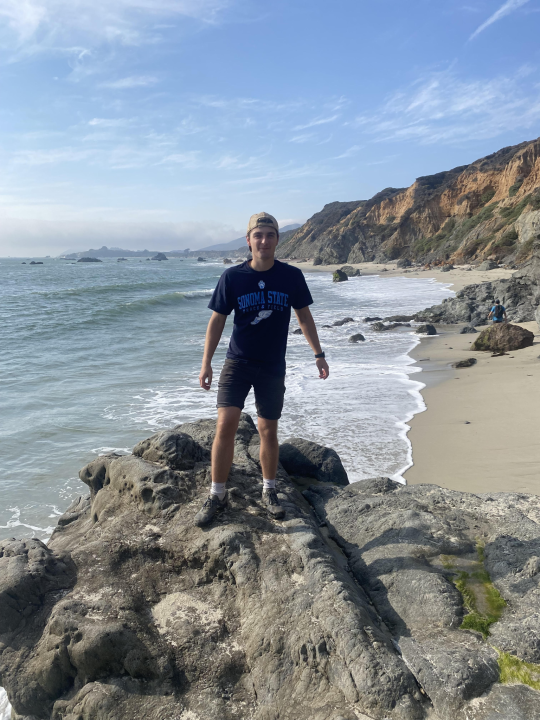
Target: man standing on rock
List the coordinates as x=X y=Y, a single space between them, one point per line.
x=497 y=312
x=261 y=292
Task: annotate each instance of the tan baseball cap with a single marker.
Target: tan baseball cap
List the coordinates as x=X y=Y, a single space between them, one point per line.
x=260 y=219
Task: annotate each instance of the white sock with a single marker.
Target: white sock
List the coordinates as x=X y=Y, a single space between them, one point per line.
x=218 y=489
x=269 y=484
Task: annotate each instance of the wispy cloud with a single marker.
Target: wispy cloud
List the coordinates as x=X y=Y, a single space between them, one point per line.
x=304 y=138
x=108 y=122
x=349 y=152
x=509 y=7
x=442 y=107
x=317 y=122
x=57 y=24
x=133 y=81
x=52 y=157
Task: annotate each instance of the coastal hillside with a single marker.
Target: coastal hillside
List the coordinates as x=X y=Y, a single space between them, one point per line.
x=488 y=209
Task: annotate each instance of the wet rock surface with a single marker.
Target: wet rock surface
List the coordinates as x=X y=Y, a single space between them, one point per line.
x=347 y=609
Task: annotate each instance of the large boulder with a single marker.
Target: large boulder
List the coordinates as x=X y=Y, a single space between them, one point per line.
x=357 y=337
x=468 y=330
x=403 y=263
x=350 y=271
x=488 y=265
x=426 y=329
x=308 y=459
x=83 y=260
x=339 y=276
x=159 y=257
x=502 y=337
x=318 y=260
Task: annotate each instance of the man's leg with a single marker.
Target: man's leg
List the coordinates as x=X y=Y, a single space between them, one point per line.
x=222 y=457
x=269 y=456
x=269 y=453
x=223 y=447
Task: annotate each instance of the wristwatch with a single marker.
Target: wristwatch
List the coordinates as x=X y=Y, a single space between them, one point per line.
x=320 y=355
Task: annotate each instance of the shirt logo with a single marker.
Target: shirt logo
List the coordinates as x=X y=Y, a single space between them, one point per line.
x=263 y=315
x=261 y=284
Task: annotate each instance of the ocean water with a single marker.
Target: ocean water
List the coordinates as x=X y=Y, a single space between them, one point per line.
x=95 y=357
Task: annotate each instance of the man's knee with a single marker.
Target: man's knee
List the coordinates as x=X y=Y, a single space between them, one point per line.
x=227 y=423
x=268 y=430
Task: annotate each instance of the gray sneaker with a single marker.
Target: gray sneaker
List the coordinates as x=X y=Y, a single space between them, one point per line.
x=271 y=502
x=211 y=507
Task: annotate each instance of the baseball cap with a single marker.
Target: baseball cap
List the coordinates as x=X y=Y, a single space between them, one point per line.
x=260 y=219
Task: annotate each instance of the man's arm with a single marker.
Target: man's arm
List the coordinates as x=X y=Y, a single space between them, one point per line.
x=307 y=325
x=213 y=336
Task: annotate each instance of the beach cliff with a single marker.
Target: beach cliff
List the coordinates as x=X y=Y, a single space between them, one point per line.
x=489 y=209
x=373 y=600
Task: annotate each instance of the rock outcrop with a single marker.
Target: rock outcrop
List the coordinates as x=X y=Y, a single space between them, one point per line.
x=344 y=321
x=355 y=607
x=488 y=210
x=520 y=295
x=357 y=337
x=502 y=337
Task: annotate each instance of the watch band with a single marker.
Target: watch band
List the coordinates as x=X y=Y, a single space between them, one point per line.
x=320 y=355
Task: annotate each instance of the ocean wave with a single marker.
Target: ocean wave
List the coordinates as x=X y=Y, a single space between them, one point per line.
x=5 y=707
x=15 y=521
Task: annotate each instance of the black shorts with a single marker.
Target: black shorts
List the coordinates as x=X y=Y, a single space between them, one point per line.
x=239 y=376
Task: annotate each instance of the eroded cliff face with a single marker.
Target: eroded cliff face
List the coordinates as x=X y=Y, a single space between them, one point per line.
x=488 y=209
x=349 y=609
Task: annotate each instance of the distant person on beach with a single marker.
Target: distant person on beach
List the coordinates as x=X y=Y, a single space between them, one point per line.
x=261 y=293
x=498 y=313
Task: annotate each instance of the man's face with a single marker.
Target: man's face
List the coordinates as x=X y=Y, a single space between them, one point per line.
x=263 y=242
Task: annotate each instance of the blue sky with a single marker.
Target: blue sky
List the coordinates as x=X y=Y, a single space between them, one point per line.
x=166 y=123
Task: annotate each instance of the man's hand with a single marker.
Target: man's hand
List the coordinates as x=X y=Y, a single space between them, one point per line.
x=205 y=377
x=324 y=370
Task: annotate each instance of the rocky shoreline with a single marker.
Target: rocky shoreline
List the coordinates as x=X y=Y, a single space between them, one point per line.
x=373 y=600
x=520 y=294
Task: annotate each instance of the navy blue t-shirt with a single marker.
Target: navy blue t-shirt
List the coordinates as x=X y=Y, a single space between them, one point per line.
x=262 y=304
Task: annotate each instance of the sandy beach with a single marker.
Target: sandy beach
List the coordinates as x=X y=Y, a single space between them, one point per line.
x=480 y=431
x=481 y=427
x=457 y=278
